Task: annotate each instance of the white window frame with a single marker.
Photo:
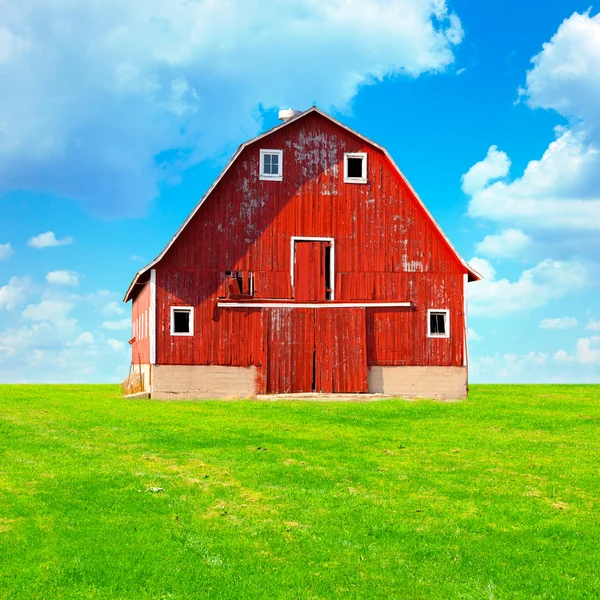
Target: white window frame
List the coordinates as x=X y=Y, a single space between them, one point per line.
x=296 y=238
x=268 y=176
x=446 y=313
x=362 y=179
x=191 y=311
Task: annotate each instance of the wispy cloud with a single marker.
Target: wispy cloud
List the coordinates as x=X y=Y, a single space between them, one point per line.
x=48 y=240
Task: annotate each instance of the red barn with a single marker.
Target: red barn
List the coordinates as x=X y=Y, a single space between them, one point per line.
x=310 y=265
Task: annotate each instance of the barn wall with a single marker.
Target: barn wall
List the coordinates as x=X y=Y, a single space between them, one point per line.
x=386 y=249
x=140 y=326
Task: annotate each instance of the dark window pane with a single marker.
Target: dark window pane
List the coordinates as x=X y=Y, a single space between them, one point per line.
x=275 y=160
x=437 y=323
x=181 y=321
x=328 y=272
x=432 y=323
x=354 y=167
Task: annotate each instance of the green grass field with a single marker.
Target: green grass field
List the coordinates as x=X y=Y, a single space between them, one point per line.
x=497 y=497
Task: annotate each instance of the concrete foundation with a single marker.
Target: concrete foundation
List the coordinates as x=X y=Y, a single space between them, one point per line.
x=190 y=382
x=183 y=382
x=441 y=383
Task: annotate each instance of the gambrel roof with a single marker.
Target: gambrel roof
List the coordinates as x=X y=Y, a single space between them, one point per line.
x=473 y=274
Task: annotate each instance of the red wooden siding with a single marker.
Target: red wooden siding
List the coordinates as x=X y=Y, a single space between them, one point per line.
x=140 y=326
x=386 y=249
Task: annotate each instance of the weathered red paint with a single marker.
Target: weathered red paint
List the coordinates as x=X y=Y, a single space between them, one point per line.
x=140 y=325
x=386 y=249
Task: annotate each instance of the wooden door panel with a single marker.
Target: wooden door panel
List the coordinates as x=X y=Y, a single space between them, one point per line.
x=290 y=341
x=341 y=350
x=309 y=271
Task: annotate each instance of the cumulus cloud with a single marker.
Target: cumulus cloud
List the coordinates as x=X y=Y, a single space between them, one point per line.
x=175 y=82
x=116 y=345
x=535 y=287
x=6 y=251
x=511 y=243
x=111 y=308
x=15 y=292
x=593 y=325
x=557 y=196
x=48 y=240
x=494 y=166
x=472 y=335
x=57 y=337
x=84 y=339
x=510 y=366
x=588 y=350
x=121 y=324
x=55 y=311
x=63 y=278
x=558 y=323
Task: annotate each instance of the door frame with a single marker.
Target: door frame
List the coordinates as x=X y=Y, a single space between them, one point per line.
x=296 y=238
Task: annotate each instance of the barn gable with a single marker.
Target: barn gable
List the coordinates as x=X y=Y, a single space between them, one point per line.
x=312 y=144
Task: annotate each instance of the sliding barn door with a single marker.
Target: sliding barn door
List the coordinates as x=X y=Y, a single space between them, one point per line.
x=340 y=350
x=290 y=346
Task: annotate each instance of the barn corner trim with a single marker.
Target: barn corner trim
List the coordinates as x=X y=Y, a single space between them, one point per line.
x=472 y=274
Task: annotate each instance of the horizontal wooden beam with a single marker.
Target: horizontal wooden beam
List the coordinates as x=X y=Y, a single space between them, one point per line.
x=274 y=304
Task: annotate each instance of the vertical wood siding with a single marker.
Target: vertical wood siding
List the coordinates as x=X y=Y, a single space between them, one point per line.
x=140 y=326
x=386 y=249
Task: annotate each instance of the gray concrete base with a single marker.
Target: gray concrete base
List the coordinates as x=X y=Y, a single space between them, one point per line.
x=191 y=382
x=196 y=382
x=439 y=383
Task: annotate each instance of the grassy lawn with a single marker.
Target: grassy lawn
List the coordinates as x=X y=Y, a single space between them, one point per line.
x=497 y=497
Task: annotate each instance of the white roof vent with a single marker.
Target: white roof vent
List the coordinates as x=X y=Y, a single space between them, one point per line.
x=288 y=113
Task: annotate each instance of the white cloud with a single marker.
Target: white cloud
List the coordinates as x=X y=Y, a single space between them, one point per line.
x=472 y=335
x=535 y=287
x=6 y=251
x=593 y=325
x=558 y=323
x=511 y=243
x=55 y=311
x=588 y=350
x=121 y=324
x=63 y=278
x=176 y=82
x=116 y=345
x=112 y=309
x=48 y=240
x=15 y=292
x=84 y=339
x=10 y=45
x=562 y=356
x=509 y=366
x=556 y=199
x=566 y=73
x=494 y=166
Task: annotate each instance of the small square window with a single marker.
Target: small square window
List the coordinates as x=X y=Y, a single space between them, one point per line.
x=182 y=320
x=438 y=323
x=355 y=167
x=271 y=165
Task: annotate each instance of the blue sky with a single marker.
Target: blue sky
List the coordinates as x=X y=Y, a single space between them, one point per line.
x=115 y=118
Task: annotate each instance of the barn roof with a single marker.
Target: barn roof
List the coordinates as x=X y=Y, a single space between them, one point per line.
x=473 y=274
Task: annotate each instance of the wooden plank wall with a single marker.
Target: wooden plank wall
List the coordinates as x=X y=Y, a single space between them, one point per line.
x=140 y=326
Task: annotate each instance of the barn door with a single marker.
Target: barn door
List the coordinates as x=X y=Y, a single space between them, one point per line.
x=340 y=350
x=312 y=275
x=290 y=342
